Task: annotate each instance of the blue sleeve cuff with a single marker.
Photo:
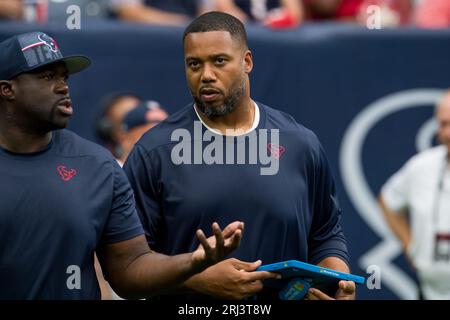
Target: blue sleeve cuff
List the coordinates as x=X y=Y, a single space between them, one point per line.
x=332 y=248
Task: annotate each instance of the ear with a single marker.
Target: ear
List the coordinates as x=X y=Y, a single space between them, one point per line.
x=6 y=90
x=248 y=61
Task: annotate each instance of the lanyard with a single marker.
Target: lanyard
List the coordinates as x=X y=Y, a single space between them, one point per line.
x=438 y=196
x=441 y=250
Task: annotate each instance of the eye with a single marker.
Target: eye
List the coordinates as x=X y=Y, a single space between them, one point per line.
x=48 y=76
x=220 y=60
x=193 y=64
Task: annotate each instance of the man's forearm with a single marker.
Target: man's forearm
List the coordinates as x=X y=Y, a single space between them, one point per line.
x=345 y=290
x=165 y=274
x=334 y=263
x=192 y=284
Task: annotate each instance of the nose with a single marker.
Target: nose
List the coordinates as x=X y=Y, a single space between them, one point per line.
x=208 y=74
x=62 y=86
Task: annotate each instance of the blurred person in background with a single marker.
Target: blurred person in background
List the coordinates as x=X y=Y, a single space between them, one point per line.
x=416 y=205
x=163 y=12
x=158 y=12
x=11 y=9
x=317 y=10
x=290 y=13
x=433 y=14
x=272 y=13
x=393 y=12
x=122 y=119
x=59 y=11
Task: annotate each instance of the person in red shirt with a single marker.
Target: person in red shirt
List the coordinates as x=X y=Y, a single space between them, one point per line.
x=433 y=14
x=331 y=9
x=394 y=12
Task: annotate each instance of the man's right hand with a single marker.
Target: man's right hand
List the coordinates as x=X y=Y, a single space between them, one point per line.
x=231 y=279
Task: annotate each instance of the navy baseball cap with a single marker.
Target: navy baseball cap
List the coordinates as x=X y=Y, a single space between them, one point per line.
x=28 y=51
x=139 y=115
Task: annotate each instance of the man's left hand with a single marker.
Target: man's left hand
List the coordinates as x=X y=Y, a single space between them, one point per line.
x=346 y=291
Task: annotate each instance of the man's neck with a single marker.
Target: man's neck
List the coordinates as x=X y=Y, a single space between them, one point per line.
x=20 y=141
x=237 y=122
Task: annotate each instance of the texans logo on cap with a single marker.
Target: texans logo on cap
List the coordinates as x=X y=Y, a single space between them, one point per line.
x=43 y=40
x=39 y=48
x=28 y=51
x=50 y=42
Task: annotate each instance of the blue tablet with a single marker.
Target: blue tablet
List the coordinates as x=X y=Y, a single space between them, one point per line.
x=298 y=277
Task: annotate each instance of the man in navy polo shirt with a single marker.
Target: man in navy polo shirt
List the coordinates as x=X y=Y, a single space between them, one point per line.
x=227 y=157
x=62 y=197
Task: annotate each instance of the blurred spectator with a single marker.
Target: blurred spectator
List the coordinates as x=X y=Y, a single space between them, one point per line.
x=163 y=12
x=416 y=205
x=11 y=9
x=122 y=119
x=332 y=9
x=273 y=13
x=89 y=9
x=433 y=14
x=393 y=12
x=56 y=11
x=289 y=13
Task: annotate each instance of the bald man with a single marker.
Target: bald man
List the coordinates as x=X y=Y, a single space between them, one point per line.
x=422 y=189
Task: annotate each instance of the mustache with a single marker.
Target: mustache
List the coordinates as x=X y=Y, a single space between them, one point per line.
x=65 y=99
x=209 y=89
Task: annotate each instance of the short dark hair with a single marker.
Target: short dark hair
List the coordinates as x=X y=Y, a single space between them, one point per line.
x=218 y=21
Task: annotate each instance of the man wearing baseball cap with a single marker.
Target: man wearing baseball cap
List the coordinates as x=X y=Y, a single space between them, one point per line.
x=63 y=197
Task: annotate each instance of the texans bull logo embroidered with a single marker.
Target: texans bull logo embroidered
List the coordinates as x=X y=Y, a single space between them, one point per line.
x=66 y=174
x=276 y=151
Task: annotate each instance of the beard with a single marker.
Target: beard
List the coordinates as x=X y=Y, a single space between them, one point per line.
x=56 y=121
x=37 y=122
x=229 y=103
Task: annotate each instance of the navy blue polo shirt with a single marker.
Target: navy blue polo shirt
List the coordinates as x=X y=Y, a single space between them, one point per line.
x=56 y=207
x=293 y=214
